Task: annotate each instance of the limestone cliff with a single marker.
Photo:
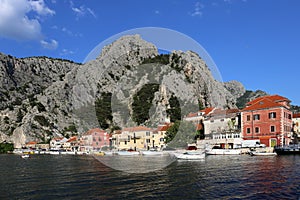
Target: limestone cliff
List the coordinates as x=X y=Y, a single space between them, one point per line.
x=128 y=84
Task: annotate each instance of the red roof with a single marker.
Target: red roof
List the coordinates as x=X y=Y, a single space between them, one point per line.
x=265 y=102
x=31 y=143
x=296 y=115
x=205 y=111
x=72 y=139
x=164 y=127
x=273 y=98
x=91 y=131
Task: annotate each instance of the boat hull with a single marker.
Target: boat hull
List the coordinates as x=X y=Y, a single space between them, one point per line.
x=288 y=150
x=224 y=152
x=187 y=156
x=127 y=153
x=152 y=153
x=263 y=153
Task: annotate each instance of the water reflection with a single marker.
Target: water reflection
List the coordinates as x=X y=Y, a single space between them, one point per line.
x=218 y=177
x=138 y=163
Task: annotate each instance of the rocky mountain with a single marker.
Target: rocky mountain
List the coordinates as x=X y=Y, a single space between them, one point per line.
x=128 y=84
x=249 y=96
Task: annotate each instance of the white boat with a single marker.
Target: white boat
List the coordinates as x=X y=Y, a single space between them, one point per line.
x=54 y=152
x=224 y=152
x=189 y=156
x=253 y=153
x=109 y=153
x=127 y=153
x=25 y=156
x=153 y=153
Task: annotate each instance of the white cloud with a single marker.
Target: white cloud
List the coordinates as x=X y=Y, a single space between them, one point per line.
x=15 y=23
x=52 y=45
x=66 y=52
x=82 y=10
x=40 y=7
x=197 y=10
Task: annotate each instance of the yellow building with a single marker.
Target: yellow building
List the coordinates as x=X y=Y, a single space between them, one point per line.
x=135 y=138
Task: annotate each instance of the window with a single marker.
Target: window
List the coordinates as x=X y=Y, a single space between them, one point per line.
x=148 y=140
x=248 y=117
x=272 y=128
x=248 y=130
x=147 y=133
x=256 y=129
x=256 y=117
x=272 y=115
x=161 y=139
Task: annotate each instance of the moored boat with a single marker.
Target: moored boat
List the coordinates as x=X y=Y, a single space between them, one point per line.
x=127 y=153
x=152 y=153
x=224 y=152
x=293 y=149
x=253 y=153
x=189 y=156
x=25 y=156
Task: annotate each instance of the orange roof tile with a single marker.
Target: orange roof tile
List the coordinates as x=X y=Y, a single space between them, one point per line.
x=296 y=115
x=164 y=127
x=273 y=98
x=31 y=143
x=91 y=131
x=72 y=139
x=264 y=103
x=205 y=111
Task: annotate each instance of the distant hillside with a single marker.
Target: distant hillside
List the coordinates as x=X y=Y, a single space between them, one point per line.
x=249 y=96
x=295 y=109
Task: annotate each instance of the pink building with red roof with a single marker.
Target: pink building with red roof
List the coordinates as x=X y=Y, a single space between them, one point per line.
x=94 y=140
x=268 y=119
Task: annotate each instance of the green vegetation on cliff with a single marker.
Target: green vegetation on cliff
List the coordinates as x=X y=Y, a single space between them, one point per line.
x=142 y=102
x=174 y=112
x=103 y=110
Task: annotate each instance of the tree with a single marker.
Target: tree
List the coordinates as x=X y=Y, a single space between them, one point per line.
x=174 y=112
x=142 y=102
x=172 y=131
x=103 y=110
x=180 y=134
x=6 y=147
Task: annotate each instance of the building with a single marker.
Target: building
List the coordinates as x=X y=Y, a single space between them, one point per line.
x=72 y=144
x=94 y=140
x=223 y=128
x=135 y=138
x=57 y=143
x=199 y=116
x=159 y=135
x=296 y=127
x=268 y=119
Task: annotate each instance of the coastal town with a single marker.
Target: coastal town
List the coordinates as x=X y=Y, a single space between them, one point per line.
x=265 y=122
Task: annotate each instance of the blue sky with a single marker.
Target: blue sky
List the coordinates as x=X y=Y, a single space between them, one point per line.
x=253 y=41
